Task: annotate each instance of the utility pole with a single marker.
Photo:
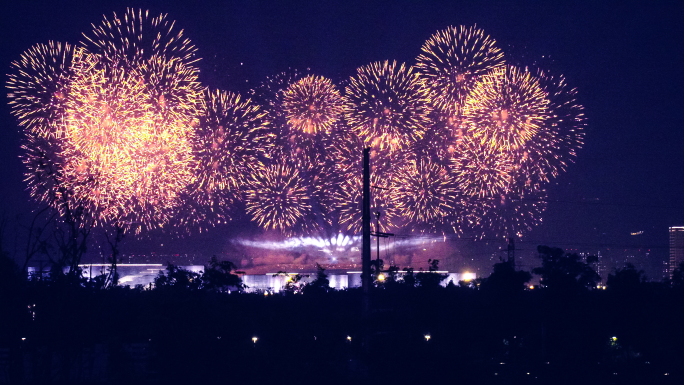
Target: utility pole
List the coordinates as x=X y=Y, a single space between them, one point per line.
x=379 y=235
x=365 y=220
x=511 y=251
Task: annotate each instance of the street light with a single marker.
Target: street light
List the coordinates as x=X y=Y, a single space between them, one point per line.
x=427 y=337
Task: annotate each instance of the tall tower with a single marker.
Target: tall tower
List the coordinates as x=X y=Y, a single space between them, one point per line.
x=676 y=247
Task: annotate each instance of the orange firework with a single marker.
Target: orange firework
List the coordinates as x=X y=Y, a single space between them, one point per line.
x=482 y=171
x=109 y=128
x=40 y=87
x=137 y=38
x=506 y=109
x=230 y=142
x=452 y=61
x=136 y=144
x=278 y=197
x=312 y=105
x=387 y=105
x=426 y=193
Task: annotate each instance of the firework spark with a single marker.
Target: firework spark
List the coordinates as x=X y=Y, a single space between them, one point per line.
x=482 y=170
x=387 y=105
x=136 y=146
x=230 y=141
x=109 y=126
x=453 y=60
x=312 y=105
x=282 y=96
x=513 y=214
x=137 y=39
x=278 y=198
x=426 y=193
x=506 y=109
x=40 y=85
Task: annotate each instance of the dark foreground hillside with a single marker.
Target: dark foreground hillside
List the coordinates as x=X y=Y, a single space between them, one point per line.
x=60 y=332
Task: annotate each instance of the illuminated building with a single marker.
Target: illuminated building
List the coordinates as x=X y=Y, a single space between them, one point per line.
x=676 y=247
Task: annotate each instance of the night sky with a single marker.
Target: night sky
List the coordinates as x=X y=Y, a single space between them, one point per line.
x=625 y=59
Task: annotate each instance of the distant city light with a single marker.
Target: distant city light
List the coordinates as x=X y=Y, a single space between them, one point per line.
x=254 y=339
x=427 y=337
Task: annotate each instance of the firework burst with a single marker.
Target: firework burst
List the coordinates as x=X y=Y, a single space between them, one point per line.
x=231 y=139
x=40 y=86
x=426 y=193
x=279 y=96
x=312 y=105
x=482 y=170
x=513 y=214
x=278 y=197
x=137 y=146
x=453 y=60
x=387 y=105
x=506 y=109
x=138 y=38
x=109 y=126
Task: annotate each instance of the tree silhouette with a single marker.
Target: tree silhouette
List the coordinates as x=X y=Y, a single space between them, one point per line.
x=430 y=279
x=178 y=278
x=218 y=276
x=319 y=285
x=562 y=272
x=505 y=279
x=626 y=280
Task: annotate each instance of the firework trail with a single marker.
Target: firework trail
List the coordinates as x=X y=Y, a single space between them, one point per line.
x=452 y=62
x=387 y=105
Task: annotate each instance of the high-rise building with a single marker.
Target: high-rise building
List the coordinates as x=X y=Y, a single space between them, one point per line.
x=676 y=247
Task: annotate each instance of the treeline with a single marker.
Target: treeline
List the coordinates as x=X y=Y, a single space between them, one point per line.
x=63 y=329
